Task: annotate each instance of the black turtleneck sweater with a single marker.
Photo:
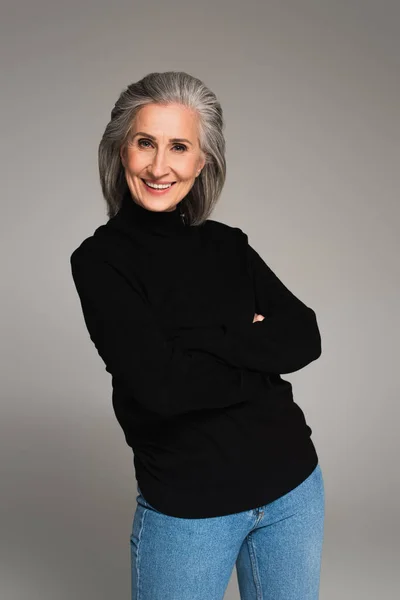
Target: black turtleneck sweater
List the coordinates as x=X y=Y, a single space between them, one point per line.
x=196 y=385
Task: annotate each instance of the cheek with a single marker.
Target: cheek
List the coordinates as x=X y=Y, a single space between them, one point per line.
x=135 y=163
x=187 y=171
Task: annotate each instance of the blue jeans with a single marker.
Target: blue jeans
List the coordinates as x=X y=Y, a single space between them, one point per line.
x=276 y=548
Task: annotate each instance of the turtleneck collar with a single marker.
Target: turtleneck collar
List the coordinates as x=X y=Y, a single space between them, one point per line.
x=159 y=223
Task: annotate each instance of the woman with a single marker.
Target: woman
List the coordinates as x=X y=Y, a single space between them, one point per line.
x=196 y=330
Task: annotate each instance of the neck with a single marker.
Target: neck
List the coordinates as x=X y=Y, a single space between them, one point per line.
x=159 y=223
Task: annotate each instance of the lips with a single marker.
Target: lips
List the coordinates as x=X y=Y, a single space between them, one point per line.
x=160 y=183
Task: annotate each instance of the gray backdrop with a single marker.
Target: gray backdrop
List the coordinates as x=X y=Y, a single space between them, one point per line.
x=310 y=92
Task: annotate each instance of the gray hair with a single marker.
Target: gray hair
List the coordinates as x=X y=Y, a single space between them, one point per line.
x=171 y=87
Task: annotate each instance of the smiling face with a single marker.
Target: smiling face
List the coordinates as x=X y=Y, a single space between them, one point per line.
x=163 y=148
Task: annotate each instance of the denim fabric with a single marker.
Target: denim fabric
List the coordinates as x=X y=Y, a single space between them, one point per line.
x=277 y=550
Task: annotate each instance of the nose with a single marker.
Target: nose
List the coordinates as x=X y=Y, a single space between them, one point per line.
x=159 y=167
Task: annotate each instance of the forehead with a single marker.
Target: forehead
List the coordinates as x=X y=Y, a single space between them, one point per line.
x=172 y=120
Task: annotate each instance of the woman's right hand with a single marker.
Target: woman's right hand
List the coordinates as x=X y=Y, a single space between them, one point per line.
x=258 y=317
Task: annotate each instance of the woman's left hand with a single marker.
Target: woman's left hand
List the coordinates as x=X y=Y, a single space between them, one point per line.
x=258 y=317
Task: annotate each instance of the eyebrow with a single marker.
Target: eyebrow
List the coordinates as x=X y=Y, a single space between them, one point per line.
x=154 y=139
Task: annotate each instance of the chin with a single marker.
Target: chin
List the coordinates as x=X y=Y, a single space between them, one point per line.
x=159 y=206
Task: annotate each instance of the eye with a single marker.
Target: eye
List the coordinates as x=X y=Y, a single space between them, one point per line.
x=142 y=140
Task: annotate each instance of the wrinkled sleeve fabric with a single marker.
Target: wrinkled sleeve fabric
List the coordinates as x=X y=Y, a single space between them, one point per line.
x=285 y=341
x=161 y=375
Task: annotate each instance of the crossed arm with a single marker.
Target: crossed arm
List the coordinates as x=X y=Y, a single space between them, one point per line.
x=171 y=378
x=283 y=337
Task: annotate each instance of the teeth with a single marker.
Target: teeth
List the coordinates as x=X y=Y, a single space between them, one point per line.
x=158 y=187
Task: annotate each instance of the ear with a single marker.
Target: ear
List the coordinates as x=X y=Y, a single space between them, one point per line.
x=122 y=155
x=202 y=162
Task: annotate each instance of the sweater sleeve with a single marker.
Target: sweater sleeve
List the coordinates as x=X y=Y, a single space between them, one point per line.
x=161 y=375
x=286 y=340
x=288 y=337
